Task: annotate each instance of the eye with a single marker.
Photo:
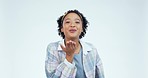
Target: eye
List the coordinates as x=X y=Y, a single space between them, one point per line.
x=67 y=22
x=77 y=22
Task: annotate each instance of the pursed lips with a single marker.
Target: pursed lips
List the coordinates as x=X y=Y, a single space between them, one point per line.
x=72 y=30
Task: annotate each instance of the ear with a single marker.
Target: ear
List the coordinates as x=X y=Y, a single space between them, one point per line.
x=82 y=30
x=62 y=30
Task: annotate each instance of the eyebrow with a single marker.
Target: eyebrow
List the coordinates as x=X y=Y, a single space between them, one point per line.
x=75 y=19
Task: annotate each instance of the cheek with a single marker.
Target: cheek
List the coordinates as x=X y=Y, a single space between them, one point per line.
x=81 y=29
x=64 y=29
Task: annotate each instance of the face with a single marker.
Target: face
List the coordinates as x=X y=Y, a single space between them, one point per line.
x=72 y=26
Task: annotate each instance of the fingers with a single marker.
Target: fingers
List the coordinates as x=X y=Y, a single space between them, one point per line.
x=71 y=45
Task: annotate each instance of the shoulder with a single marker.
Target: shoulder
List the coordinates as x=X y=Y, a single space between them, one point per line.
x=53 y=45
x=88 y=48
x=88 y=44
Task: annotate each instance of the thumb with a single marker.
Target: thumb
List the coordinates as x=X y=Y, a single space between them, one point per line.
x=63 y=48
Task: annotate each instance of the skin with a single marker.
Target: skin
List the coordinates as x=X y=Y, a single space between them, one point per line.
x=72 y=28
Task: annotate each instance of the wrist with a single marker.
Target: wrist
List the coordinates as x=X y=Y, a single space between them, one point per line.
x=69 y=58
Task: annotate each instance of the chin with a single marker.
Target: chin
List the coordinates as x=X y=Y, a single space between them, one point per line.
x=73 y=37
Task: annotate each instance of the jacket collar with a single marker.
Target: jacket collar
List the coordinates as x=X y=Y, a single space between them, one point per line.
x=86 y=48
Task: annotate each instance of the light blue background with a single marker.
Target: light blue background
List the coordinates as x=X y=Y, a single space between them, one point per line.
x=118 y=29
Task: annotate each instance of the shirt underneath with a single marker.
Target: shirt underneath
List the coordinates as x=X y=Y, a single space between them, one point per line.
x=79 y=64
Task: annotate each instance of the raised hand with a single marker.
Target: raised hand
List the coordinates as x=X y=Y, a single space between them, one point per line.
x=70 y=49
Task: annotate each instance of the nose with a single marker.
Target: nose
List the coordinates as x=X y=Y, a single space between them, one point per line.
x=72 y=25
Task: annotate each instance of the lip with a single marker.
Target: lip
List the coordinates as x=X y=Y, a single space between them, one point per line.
x=72 y=30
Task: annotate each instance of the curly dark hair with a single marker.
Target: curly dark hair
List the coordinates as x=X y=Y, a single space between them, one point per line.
x=83 y=19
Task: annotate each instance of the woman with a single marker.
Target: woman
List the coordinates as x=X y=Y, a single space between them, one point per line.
x=71 y=57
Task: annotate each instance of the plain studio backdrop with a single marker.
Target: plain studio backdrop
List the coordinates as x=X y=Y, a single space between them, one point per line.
x=118 y=29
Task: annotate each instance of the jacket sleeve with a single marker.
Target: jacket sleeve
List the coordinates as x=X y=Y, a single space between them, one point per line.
x=55 y=69
x=99 y=67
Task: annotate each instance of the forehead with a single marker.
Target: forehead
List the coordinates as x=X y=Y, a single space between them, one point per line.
x=72 y=16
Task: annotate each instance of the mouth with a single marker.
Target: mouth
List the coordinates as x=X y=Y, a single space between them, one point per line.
x=72 y=30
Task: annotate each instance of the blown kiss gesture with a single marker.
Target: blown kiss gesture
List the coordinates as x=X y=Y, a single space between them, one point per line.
x=71 y=48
